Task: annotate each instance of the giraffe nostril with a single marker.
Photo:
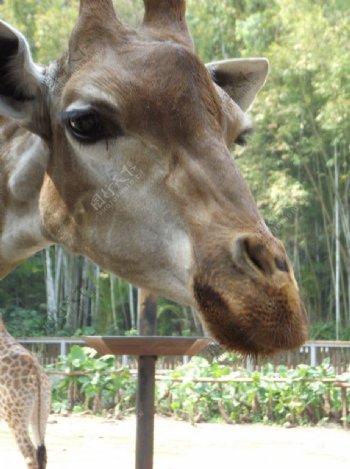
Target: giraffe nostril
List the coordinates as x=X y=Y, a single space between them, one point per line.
x=281 y=264
x=255 y=253
x=259 y=255
x=252 y=251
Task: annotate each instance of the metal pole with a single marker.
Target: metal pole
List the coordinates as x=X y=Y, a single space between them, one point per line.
x=313 y=355
x=145 y=412
x=145 y=386
x=63 y=348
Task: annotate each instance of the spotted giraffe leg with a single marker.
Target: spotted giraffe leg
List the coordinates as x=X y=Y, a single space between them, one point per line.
x=25 y=444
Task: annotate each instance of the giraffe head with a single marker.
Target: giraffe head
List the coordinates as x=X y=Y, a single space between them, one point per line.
x=137 y=172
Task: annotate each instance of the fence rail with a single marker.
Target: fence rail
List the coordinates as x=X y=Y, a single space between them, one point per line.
x=63 y=344
x=48 y=349
x=313 y=353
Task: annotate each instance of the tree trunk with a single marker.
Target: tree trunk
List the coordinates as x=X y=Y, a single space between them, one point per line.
x=50 y=289
x=113 y=302
x=85 y=295
x=337 y=245
x=96 y=298
x=132 y=307
x=72 y=288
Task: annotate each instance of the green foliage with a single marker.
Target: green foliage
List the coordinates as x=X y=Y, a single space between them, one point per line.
x=173 y=319
x=261 y=400
x=99 y=386
x=302 y=398
x=25 y=288
x=326 y=331
x=21 y=322
x=301 y=112
x=86 y=330
x=212 y=24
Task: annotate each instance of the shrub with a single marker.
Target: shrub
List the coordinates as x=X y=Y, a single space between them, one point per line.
x=300 y=396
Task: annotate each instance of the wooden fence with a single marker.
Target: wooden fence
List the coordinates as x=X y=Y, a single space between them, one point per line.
x=48 y=349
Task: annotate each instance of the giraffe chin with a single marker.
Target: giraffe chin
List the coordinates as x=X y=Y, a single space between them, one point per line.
x=255 y=330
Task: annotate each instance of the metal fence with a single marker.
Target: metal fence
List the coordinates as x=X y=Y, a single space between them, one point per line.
x=48 y=349
x=313 y=353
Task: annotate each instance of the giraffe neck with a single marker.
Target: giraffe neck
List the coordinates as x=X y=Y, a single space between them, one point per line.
x=5 y=338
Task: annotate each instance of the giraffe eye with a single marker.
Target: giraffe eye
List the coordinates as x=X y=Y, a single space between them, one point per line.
x=242 y=139
x=89 y=126
x=85 y=127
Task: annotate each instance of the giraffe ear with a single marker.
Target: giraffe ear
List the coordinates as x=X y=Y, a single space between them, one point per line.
x=21 y=84
x=27 y=176
x=240 y=78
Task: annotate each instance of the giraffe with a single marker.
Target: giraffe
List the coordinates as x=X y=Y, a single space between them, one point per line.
x=25 y=398
x=120 y=151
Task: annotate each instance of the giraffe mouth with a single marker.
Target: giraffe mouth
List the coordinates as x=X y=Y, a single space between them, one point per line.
x=251 y=330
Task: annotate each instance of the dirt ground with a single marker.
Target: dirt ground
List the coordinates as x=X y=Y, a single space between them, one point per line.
x=90 y=442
